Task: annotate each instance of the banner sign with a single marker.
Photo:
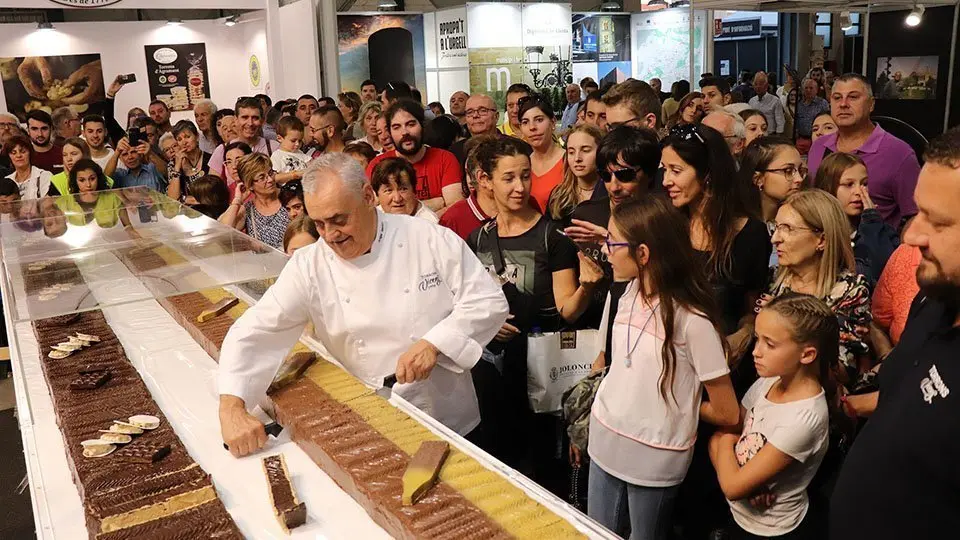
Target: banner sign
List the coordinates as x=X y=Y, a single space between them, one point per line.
x=178 y=74
x=749 y=28
x=452 y=38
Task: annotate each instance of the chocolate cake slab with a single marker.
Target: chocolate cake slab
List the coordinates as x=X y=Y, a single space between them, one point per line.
x=152 y=496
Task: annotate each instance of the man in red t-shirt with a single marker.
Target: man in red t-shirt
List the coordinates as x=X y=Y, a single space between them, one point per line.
x=438 y=171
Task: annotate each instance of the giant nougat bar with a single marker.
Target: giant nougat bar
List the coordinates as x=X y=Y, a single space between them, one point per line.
x=171 y=498
x=364 y=443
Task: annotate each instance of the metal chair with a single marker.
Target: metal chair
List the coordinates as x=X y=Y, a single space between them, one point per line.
x=905 y=132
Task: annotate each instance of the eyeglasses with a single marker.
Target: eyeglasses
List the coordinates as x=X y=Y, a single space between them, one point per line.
x=789 y=171
x=610 y=245
x=614 y=125
x=261 y=178
x=686 y=132
x=7 y=125
x=788 y=229
x=625 y=175
x=317 y=130
x=480 y=111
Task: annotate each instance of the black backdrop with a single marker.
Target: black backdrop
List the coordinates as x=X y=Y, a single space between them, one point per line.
x=889 y=36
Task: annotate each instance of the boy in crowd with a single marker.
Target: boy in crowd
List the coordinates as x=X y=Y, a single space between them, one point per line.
x=288 y=161
x=95 y=133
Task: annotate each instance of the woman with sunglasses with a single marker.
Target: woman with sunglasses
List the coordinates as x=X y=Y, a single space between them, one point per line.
x=537 y=125
x=775 y=167
x=667 y=348
x=733 y=247
x=263 y=217
x=539 y=271
x=690 y=111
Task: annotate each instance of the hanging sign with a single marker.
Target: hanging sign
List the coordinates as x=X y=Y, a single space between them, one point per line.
x=178 y=74
x=86 y=3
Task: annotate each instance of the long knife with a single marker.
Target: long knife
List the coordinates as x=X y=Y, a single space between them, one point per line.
x=273 y=429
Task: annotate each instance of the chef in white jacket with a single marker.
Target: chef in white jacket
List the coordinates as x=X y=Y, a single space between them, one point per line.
x=386 y=293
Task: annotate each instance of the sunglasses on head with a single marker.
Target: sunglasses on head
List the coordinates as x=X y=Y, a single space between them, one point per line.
x=686 y=132
x=624 y=175
x=532 y=98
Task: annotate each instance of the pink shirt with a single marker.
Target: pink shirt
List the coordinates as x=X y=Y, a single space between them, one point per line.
x=216 y=159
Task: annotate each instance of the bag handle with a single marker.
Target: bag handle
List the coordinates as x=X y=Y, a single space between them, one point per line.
x=499 y=266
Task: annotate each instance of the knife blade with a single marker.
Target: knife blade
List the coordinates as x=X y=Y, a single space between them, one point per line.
x=273 y=429
x=386 y=390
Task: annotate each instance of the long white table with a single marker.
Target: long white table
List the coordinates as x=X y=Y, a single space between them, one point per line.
x=181 y=378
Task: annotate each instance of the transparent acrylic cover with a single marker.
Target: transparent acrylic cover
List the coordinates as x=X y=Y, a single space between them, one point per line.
x=74 y=253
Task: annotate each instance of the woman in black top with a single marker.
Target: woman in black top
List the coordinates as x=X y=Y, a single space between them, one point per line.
x=700 y=178
x=538 y=266
x=189 y=163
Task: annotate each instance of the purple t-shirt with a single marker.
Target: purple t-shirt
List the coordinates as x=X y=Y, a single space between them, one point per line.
x=216 y=160
x=892 y=169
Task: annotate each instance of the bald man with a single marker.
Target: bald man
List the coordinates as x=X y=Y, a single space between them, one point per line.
x=767 y=103
x=569 y=117
x=482 y=118
x=458 y=106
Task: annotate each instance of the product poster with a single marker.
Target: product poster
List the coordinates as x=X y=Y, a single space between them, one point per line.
x=661 y=45
x=178 y=74
x=531 y=45
x=51 y=82
x=601 y=47
x=382 y=48
x=906 y=77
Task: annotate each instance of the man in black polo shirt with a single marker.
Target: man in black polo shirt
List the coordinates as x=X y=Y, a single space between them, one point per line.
x=901 y=479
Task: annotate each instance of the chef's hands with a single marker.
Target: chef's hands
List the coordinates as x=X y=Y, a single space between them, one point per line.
x=241 y=431
x=93 y=75
x=417 y=363
x=507 y=331
x=35 y=74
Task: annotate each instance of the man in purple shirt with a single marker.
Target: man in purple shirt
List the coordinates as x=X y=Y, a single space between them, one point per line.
x=892 y=165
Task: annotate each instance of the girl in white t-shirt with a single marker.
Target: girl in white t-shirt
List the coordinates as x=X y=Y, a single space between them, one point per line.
x=665 y=351
x=765 y=467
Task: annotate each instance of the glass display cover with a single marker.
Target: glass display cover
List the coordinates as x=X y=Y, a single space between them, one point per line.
x=74 y=253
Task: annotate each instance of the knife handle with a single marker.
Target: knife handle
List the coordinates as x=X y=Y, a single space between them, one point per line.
x=389 y=381
x=272 y=428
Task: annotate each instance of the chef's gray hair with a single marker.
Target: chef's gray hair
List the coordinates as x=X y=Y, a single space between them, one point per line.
x=343 y=166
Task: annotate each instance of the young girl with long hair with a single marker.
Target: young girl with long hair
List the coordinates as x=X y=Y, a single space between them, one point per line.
x=775 y=167
x=845 y=177
x=581 y=182
x=546 y=162
x=666 y=349
x=764 y=468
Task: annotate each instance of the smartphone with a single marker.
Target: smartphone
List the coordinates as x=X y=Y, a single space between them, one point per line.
x=127 y=79
x=148 y=213
x=135 y=136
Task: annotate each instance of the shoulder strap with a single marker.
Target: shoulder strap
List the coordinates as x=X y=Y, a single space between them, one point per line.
x=499 y=265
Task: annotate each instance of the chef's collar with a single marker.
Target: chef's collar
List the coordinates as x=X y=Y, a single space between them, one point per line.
x=381 y=227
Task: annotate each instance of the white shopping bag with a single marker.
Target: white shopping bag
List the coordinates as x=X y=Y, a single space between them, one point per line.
x=555 y=362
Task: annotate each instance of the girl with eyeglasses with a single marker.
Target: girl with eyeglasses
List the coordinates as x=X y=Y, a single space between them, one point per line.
x=540 y=275
x=537 y=125
x=667 y=348
x=263 y=216
x=845 y=177
x=775 y=167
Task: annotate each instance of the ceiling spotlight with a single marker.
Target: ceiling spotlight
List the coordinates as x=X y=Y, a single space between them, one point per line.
x=174 y=22
x=610 y=5
x=45 y=25
x=915 y=16
x=231 y=21
x=387 y=4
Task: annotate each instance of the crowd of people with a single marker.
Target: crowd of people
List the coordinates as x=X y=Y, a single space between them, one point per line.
x=774 y=311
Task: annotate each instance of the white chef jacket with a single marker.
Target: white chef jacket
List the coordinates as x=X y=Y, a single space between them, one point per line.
x=418 y=281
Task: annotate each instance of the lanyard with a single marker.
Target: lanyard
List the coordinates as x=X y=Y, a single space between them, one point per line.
x=628 y=361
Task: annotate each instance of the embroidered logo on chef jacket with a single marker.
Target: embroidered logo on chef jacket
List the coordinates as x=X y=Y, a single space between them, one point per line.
x=429 y=281
x=933 y=386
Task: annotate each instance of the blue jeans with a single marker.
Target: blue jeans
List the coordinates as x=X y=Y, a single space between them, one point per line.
x=644 y=511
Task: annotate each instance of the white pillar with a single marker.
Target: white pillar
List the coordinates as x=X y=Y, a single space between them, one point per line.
x=329 y=55
x=275 y=49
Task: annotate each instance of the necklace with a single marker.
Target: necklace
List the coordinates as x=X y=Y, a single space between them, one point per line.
x=628 y=361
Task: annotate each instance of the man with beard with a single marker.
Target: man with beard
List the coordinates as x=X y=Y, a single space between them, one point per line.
x=249 y=121
x=905 y=457
x=95 y=133
x=326 y=130
x=160 y=114
x=368 y=91
x=458 y=106
x=438 y=172
x=46 y=155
